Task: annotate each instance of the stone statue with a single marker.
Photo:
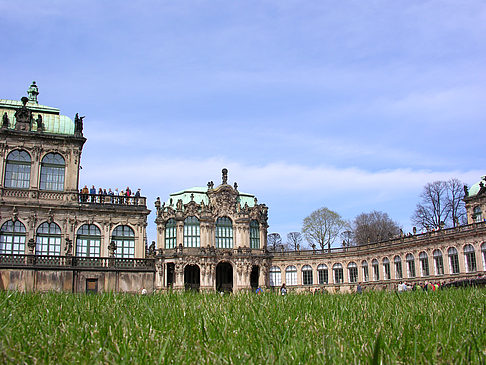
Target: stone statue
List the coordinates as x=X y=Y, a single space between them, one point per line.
x=5 y=120
x=33 y=92
x=179 y=204
x=466 y=191
x=235 y=186
x=40 y=126
x=69 y=247
x=225 y=176
x=151 y=249
x=78 y=124
x=157 y=203
x=112 y=249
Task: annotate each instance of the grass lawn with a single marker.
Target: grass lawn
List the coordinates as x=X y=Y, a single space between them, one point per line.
x=448 y=326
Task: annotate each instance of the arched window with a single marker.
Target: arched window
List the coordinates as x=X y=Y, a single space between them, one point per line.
x=353 y=272
x=477 y=214
x=254 y=234
x=398 y=267
x=12 y=238
x=438 y=262
x=424 y=263
x=364 y=266
x=483 y=251
x=322 y=274
x=170 y=233
x=453 y=260
x=191 y=232
x=52 y=172
x=307 y=278
x=376 y=269
x=124 y=238
x=48 y=239
x=17 y=170
x=338 y=273
x=275 y=276
x=88 y=241
x=291 y=275
x=410 y=265
x=470 y=256
x=386 y=269
x=224 y=233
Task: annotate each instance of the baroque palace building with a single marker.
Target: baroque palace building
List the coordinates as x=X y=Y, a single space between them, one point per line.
x=55 y=237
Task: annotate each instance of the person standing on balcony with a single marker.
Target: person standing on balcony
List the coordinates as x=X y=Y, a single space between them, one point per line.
x=84 y=192
x=92 y=192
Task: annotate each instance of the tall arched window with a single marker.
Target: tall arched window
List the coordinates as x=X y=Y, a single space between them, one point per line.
x=438 y=262
x=88 y=241
x=477 y=214
x=48 y=239
x=398 y=267
x=366 y=274
x=307 y=278
x=275 y=276
x=470 y=256
x=170 y=233
x=12 y=238
x=254 y=234
x=453 y=260
x=410 y=265
x=17 y=170
x=124 y=238
x=386 y=269
x=376 y=269
x=353 y=272
x=291 y=275
x=322 y=274
x=224 y=233
x=52 y=172
x=424 y=263
x=338 y=273
x=191 y=232
x=483 y=251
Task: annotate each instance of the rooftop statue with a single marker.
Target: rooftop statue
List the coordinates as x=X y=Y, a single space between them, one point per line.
x=33 y=92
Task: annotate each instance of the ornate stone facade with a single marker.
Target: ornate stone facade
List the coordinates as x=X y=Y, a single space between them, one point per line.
x=212 y=238
x=41 y=208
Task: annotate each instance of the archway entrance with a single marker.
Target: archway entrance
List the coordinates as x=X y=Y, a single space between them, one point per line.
x=224 y=277
x=170 y=274
x=255 y=273
x=192 y=277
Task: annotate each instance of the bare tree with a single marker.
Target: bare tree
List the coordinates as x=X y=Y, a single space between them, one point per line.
x=440 y=205
x=294 y=241
x=274 y=241
x=455 y=201
x=373 y=227
x=322 y=227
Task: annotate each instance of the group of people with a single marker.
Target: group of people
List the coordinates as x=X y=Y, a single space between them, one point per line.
x=102 y=195
x=426 y=286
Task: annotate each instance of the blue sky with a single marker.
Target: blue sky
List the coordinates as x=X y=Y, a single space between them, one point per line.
x=352 y=105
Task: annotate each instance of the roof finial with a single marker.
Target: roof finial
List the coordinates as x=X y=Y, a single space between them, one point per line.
x=33 y=92
x=225 y=176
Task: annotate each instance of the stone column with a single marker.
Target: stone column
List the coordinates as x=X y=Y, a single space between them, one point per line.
x=179 y=276
x=161 y=235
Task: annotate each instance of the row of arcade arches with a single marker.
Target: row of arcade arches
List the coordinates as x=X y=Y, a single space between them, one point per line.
x=224 y=276
x=18 y=171
x=48 y=240
x=223 y=233
x=401 y=271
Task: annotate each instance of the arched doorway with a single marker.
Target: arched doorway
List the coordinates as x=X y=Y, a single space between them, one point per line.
x=224 y=277
x=255 y=273
x=192 y=278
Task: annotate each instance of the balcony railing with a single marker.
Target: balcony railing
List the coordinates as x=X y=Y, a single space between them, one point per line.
x=75 y=262
x=103 y=199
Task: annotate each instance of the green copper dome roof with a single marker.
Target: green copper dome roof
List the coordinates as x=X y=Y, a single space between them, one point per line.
x=52 y=120
x=199 y=195
x=473 y=190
